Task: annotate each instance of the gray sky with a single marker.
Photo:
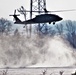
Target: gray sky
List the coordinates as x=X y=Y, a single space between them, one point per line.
x=7 y=7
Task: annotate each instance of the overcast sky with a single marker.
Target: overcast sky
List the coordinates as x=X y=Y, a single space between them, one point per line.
x=7 y=7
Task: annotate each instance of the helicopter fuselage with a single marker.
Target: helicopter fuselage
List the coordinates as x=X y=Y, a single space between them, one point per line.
x=43 y=18
x=47 y=18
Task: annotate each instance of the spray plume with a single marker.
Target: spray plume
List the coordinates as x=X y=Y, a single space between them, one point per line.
x=20 y=51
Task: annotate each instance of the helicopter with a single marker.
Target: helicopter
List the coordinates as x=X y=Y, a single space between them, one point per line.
x=41 y=18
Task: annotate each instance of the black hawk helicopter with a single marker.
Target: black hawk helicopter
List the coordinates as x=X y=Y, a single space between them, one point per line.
x=41 y=18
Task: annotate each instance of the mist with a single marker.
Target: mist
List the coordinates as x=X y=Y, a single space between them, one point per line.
x=44 y=51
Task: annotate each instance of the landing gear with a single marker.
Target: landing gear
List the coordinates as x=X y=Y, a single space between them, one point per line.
x=53 y=23
x=49 y=22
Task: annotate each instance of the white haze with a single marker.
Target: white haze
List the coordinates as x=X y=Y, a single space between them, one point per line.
x=20 y=51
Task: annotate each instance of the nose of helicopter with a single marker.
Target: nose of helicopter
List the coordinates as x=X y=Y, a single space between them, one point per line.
x=61 y=18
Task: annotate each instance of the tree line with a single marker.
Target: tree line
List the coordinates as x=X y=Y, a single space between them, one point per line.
x=66 y=29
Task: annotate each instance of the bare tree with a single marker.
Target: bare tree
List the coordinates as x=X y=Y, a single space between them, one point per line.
x=70 y=26
x=61 y=72
x=59 y=28
x=71 y=35
x=5 y=25
x=5 y=72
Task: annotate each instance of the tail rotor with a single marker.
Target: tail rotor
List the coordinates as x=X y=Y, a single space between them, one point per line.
x=14 y=15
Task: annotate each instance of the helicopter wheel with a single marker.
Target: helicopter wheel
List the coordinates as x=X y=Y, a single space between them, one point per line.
x=53 y=23
x=49 y=22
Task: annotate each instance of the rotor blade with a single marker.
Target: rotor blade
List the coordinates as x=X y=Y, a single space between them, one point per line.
x=53 y=11
x=22 y=7
x=14 y=12
x=19 y=10
x=15 y=15
x=63 y=10
x=18 y=15
x=10 y=15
